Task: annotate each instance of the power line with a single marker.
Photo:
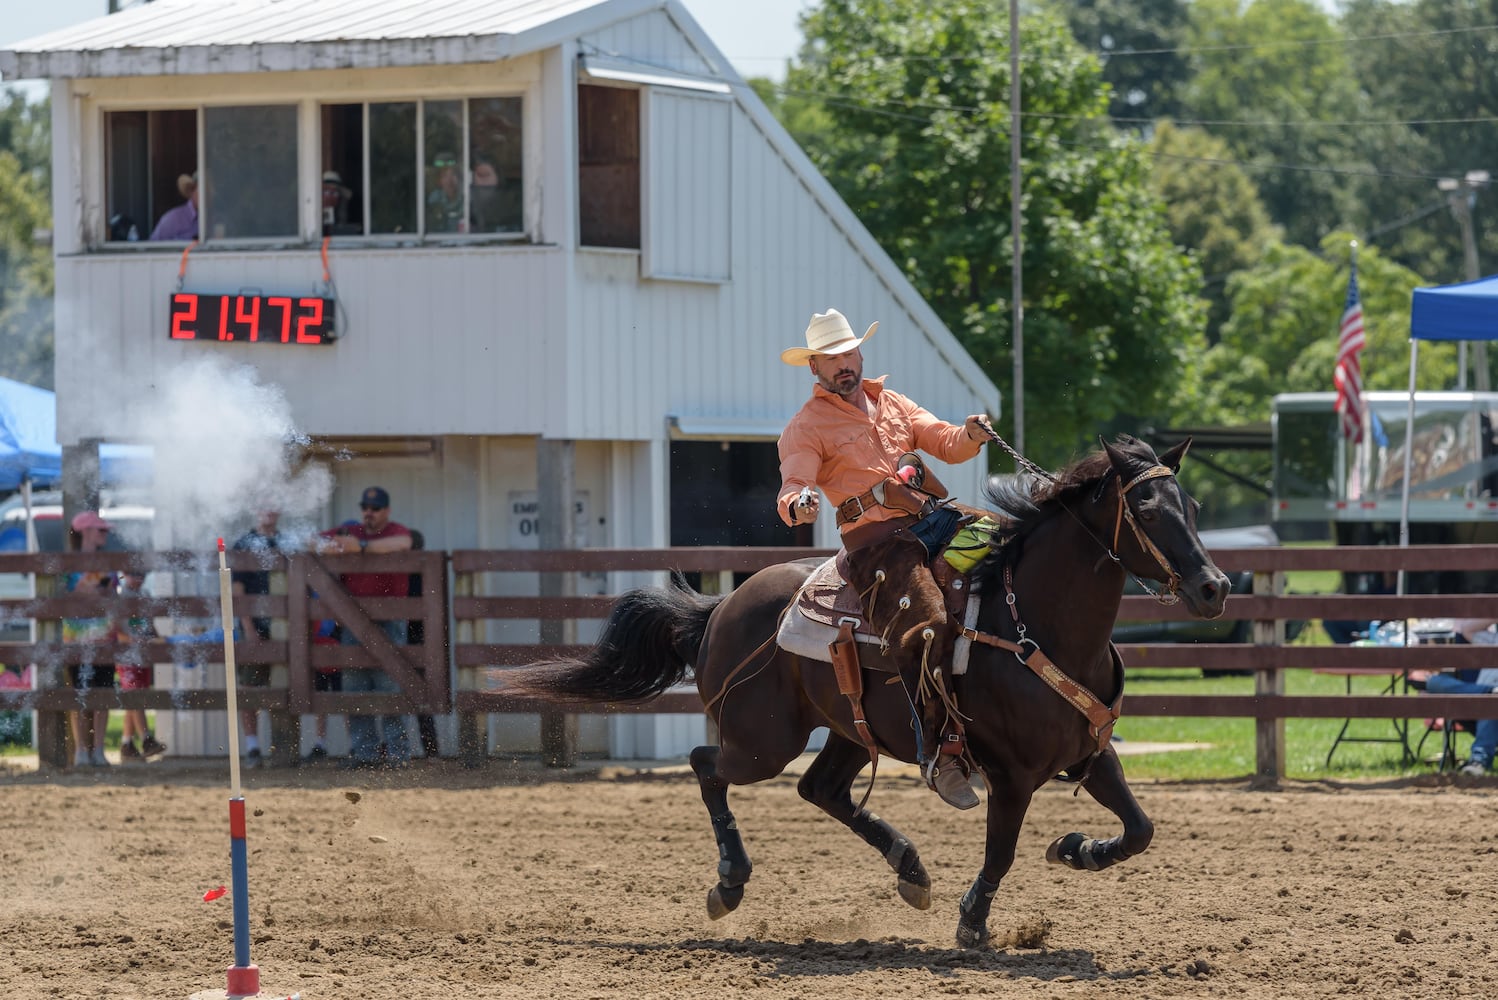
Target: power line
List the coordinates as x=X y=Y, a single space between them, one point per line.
x=875 y=108
x=1180 y=49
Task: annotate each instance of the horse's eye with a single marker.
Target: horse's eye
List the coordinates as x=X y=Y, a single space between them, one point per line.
x=1149 y=515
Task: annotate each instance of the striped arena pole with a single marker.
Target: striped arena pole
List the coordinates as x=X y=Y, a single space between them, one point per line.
x=244 y=977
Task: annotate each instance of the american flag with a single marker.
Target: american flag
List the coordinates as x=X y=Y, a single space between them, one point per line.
x=1348 y=374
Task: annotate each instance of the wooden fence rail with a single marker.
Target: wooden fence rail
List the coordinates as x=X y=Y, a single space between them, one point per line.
x=453 y=592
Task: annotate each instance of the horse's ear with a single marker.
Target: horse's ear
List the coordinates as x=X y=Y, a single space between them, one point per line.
x=1119 y=460
x=1172 y=458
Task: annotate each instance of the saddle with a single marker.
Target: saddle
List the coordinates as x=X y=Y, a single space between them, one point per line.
x=828 y=614
x=829 y=600
x=826 y=602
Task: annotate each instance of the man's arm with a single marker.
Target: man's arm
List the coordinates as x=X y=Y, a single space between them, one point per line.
x=800 y=465
x=389 y=542
x=952 y=443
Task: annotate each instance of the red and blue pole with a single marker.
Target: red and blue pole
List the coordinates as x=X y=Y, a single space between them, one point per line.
x=244 y=977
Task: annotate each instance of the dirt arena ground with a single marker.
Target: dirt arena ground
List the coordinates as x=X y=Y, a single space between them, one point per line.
x=518 y=882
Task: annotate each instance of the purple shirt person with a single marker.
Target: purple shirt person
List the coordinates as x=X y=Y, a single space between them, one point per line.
x=180 y=223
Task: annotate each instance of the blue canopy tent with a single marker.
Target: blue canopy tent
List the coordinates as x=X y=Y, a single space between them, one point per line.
x=1466 y=311
x=29 y=452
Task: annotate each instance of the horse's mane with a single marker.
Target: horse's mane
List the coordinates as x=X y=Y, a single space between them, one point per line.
x=1026 y=501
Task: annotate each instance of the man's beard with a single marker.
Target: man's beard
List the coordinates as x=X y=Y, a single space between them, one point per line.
x=841 y=383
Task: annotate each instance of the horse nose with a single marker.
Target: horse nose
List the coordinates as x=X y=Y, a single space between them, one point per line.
x=1215 y=589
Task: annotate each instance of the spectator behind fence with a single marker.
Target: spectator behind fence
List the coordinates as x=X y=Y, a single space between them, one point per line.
x=1478 y=631
x=88 y=533
x=181 y=223
x=135 y=674
x=376 y=534
x=265 y=540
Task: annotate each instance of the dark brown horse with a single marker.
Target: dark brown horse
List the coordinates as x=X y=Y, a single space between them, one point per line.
x=1053 y=585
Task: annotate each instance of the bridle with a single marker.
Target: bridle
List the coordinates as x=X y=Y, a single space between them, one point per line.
x=1168 y=595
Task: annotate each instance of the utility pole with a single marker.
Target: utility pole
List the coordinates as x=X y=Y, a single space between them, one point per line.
x=1016 y=218
x=1461 y=195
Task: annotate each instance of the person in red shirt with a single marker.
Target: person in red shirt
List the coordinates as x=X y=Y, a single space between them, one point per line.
x=850 y=440
x=373 y=535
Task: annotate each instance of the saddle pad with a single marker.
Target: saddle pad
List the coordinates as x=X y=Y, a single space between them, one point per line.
x=806 y=637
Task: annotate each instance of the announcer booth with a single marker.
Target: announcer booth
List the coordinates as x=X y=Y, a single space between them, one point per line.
x=507 y=260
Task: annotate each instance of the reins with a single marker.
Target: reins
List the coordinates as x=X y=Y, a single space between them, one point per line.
x=1168 y=596
x=1100 y=718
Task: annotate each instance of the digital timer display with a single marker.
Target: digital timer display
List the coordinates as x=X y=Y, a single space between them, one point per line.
x=273 y=319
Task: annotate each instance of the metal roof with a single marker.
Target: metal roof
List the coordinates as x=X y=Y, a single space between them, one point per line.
x=171 y=37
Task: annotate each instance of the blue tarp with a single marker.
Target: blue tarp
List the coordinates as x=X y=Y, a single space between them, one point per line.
x=29 y=448
x=1468 y=311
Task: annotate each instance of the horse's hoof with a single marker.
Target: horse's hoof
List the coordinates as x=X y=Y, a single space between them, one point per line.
x=972 y=937
x=723 y=900
x=918 y=896
x=1066 y=851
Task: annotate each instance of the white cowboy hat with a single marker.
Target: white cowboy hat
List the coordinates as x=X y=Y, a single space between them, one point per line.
x=828 y=333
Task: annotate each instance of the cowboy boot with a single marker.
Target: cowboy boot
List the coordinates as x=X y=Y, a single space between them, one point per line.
x=941 y=759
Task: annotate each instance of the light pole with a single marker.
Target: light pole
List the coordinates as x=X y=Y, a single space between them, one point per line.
x=1461 y=195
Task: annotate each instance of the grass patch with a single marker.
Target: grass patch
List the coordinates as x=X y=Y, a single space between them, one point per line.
x=1225 y=747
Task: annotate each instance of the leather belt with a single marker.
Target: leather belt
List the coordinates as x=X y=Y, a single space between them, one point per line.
x=854 y=508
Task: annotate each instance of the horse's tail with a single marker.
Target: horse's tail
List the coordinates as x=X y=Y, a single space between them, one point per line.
x=650 y=640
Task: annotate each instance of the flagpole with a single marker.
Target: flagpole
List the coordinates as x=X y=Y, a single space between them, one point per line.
x=1365 y=450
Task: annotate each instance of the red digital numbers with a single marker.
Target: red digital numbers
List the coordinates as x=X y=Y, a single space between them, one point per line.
x=252 y=318
x=184 y=314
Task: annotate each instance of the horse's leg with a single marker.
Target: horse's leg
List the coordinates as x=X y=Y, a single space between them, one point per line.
x=1106 y=784
x=734 y=865
x=827 y=784
x=1007 y=803
x=717 y=768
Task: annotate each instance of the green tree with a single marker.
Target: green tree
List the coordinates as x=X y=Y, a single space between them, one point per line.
x=1270 y=79
x=1283 y=333
x=25 y=267
x=1430 y=63
x=1140 y=45
x=1213 y=208
x=917 y=142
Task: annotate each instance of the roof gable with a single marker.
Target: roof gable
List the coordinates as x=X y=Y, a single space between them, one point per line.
x=175 y=37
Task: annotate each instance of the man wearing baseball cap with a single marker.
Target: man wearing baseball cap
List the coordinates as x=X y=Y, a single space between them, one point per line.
x=374 y=534
x=855 y=440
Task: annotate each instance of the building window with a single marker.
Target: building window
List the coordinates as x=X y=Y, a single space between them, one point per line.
x=147 y=155
x=249 y=177
x=608 y=152
x=435 y=167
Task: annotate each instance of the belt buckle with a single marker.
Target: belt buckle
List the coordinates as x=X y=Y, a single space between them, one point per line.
x=853 y=516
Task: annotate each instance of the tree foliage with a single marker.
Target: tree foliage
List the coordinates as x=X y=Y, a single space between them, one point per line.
x=1266 y=81
x=1213 y=208
x=25 y=267
x=916 y=139
x=1140 y=45
x=1430 y=63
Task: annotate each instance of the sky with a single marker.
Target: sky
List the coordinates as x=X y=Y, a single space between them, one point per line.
x=757 y=36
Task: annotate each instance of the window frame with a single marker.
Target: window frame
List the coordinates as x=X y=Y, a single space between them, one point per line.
x=309 y=136
x=423 y=237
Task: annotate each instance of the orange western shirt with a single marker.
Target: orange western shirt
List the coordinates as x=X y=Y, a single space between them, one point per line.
x=832 y=444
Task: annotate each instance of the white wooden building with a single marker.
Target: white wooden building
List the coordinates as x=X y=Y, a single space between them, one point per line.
x=553 y=221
